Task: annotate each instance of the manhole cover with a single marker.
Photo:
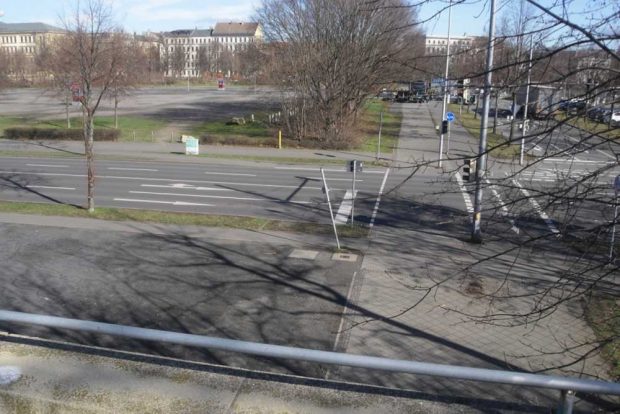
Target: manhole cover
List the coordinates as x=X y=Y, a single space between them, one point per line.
x=345 y=257
x=303 y=254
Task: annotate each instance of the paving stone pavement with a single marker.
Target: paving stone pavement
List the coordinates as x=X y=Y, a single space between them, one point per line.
x=399 y=312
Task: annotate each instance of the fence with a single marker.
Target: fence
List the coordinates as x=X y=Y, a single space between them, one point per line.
x=568 y=386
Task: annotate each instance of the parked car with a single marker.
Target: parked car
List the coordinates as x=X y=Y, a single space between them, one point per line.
x=613 y=117
x=603 y=114
x=594 y=113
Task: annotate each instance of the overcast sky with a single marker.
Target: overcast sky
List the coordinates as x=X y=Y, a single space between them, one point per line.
x=162 y=15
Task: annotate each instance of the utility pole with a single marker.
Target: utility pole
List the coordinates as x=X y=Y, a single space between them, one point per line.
x=527 y=100
x=445 y=92
x=481 y=165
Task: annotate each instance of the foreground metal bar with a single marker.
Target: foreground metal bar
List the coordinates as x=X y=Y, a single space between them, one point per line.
x=325 y=357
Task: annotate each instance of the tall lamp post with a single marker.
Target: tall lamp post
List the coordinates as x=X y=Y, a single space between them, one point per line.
x=481 y=165
x=445 y=89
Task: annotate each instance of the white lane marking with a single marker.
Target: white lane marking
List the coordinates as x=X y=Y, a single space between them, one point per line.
x=239 y=174
x=174 y=203
x=502 y=206
x=571 y=160
x=50 y=187
x=185 y=187
x=601 y=151
x=116 y=177
x=606 y=154
x=48 y=165
x=131 y=169
x=344 y=211
x=538 y=209
x=376 y=209
x=468 y=204
x=343 y=170
x=220 y=197
x=333 y=179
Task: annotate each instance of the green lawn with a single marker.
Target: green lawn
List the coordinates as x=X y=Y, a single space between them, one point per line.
x=132 y=127
x=589 y=125
x=496 y=143
x=237 y=222
x=369 y=122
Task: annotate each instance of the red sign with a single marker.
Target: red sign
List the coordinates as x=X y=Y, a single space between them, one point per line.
x=220 y=83
x=76 y=92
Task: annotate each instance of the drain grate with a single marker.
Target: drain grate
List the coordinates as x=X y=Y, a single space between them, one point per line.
x=345 y=257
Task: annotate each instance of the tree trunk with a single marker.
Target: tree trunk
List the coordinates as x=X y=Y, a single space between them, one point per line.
x=514 y=115
x=495 y=117
x=90 y=159
x=67 y=109
x=477 y=104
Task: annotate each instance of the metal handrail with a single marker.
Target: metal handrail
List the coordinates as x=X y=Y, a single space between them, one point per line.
x=567 y=385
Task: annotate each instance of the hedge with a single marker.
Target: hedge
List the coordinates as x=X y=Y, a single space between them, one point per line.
x=73 y=134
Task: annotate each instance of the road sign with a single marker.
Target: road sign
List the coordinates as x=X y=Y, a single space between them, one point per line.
x=617 y=184
x=450 y=116
x=191 y=146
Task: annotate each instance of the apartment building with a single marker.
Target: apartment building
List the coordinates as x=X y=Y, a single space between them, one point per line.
x=225 y=39
x=26 y=38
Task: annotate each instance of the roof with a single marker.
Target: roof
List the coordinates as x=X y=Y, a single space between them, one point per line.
x=235 y=29
x=35 y=27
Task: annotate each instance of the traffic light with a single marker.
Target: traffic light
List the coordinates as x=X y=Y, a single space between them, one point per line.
x=468 y=166
x=355 y=165
x=444 y=127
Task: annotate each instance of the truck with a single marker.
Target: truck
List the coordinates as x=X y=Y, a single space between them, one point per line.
x=544 y=101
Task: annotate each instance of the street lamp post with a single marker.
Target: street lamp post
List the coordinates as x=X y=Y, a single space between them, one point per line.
x=481 y=165
x=445 y=92
x=527 y=101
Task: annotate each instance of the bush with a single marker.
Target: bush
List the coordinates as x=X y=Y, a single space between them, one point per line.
x=73 y=134
x=245 y=141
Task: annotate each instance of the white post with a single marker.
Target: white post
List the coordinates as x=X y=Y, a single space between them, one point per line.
x=527 y=101
x=379 y=141
x=445 y=92
x=353 y=196
x=329 y=204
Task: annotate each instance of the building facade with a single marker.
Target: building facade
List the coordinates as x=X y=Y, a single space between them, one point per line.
x=187 y=52
x=26 y=38
x=437 y=45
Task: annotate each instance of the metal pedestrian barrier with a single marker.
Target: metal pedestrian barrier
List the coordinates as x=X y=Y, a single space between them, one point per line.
x=567 y=385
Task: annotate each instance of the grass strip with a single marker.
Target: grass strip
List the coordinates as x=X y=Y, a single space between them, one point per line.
x=498 y=145
x=590 y=126
x=603 y=315
x=369 y=123
x=183 y=219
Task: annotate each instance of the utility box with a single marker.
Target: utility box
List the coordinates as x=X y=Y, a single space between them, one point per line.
x=191 y=146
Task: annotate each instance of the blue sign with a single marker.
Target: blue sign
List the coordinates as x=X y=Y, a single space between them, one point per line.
x=450 y=116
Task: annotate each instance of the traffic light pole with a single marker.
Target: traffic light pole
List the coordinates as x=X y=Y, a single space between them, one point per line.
x=481 y=165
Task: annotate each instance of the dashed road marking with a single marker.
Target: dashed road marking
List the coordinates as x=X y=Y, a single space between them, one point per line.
x=550 y=224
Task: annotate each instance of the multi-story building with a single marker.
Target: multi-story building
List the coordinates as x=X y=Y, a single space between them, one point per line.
x=437 y=45
x=26 y=38
x=225 y=39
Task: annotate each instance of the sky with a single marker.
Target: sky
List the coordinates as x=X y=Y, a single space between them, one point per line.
x=470 y=17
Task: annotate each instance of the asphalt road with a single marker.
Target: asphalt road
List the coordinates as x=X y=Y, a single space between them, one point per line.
x=277 y=192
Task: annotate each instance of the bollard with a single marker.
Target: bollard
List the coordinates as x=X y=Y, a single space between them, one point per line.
x=567 y=400
x=134 y=134
x=280 y=139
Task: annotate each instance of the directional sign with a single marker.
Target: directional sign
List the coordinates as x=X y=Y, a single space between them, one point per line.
x=450 y=116
x=191 y=146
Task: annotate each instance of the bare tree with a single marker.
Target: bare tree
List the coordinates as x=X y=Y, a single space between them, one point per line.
x=178 y=60
x=331 y=54
x=93 y=56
